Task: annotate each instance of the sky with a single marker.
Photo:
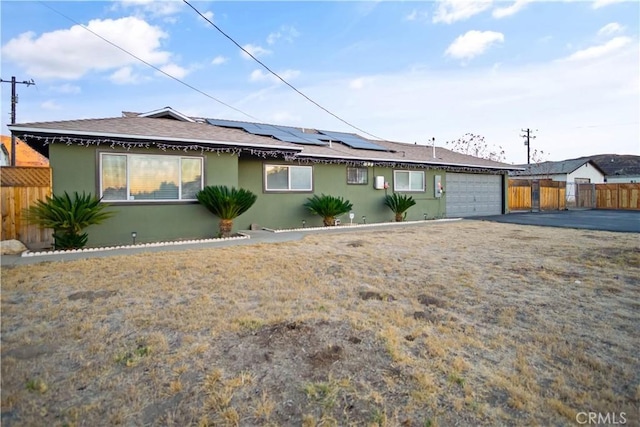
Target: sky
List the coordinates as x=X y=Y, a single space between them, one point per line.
x=402 y=71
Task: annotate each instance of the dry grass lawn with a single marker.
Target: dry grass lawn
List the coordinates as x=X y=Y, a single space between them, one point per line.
x=464 y=323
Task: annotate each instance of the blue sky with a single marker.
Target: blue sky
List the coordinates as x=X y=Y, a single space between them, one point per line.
x=404 y=71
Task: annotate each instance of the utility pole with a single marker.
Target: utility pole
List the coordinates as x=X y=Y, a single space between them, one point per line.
x=528 y=137
x=14 y=101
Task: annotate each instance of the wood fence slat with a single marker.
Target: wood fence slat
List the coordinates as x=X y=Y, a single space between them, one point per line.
x=22 y=187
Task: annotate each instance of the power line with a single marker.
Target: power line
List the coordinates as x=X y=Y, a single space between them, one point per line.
x=150 y=65
x=276 y=74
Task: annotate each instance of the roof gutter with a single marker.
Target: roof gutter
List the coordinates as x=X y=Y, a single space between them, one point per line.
x=369 y=159
x=57 y=132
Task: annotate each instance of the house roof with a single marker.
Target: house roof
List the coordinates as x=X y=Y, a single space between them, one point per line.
x=553 y=168
x=26 y=156
x=168 y=126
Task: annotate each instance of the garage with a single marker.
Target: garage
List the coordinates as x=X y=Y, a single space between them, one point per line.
x=469 y=194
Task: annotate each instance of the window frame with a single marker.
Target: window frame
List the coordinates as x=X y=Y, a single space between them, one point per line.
x=409 y=190
x=359 y=168
x=266 y=189
x=128 y=199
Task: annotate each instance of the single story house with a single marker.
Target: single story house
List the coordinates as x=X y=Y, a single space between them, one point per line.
x=149 y=167
x=25 y=155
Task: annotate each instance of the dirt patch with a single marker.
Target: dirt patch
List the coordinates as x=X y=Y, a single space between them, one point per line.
x=497 y=332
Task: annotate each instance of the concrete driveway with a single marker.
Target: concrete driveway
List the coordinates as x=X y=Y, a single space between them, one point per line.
x=595 y=219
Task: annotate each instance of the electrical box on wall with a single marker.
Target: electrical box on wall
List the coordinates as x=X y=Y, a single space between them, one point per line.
x=379 y=183
x=437 y=186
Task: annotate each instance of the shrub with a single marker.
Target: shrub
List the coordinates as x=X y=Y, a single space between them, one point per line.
x=226 y=203
x=399 y=204
x=67 y=217
x=328 y=207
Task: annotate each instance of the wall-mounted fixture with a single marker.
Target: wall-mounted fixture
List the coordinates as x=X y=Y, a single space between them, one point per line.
x=379 y=183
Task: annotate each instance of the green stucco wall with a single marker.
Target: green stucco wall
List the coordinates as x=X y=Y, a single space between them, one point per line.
x=74 y=169
x=285 y=210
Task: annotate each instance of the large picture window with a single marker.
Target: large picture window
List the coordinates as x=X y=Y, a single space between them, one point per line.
x=408 y=180
x=288 y=178
x=357 y=175
x=149 y=177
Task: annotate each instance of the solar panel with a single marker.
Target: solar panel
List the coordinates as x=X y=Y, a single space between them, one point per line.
x=353 y=141
x=226 y=123
x=283 y=133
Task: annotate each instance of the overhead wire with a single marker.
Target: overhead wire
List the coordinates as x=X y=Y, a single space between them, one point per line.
x=276 y=74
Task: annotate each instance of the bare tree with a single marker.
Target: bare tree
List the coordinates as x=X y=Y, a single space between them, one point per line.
x=538 y=156
x=475 y=145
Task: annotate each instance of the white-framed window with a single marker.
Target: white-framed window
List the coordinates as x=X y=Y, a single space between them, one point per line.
x=408 y=181
x=288 y=178
x=149 y=177
x=357 y=175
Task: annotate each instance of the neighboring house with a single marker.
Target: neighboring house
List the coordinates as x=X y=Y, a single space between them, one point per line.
x=618 y=168
x=573 y=171
x=150 y=166
x=27 y=156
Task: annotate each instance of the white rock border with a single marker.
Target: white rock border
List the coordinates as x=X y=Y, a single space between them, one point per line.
x=138 y=246
x=347 y=226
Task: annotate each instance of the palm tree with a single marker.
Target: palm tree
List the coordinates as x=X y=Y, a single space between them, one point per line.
x=68 y=217
x=328 y=207
x=399 y=204
x=227 y=204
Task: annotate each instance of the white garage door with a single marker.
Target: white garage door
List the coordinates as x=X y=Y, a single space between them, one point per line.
x=470 y=194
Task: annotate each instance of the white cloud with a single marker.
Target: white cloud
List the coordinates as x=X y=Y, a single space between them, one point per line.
x=175 y=70
x=502 y=12
x=600 y=50
x=66 y=88
x=71 y=53
x=125 y=76
x=153 y=7
x=416 y=15
x=209 y=15
x=360 y=82
x=254 y=50
x=50 y=105
x=450 y=11
x=473 y=43
x=610 y=29
x=286 y=32
x=264 y=76
x=219 y=60
x=597 y=4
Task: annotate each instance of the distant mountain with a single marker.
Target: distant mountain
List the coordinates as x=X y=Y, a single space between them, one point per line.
x=616 y=164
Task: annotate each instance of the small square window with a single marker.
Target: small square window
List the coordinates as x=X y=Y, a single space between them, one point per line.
x=357 y=175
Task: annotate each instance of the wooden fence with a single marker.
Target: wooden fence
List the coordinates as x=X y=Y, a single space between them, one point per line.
x=618 y=196
x=20 y=188
x=525 y=194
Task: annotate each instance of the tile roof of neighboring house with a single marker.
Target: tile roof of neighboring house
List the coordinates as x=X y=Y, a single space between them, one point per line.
x=26 y=156
x=159 y=129
x=553 y=168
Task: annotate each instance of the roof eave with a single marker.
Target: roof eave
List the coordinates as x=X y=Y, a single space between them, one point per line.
x=58 y=132
x=387 y=160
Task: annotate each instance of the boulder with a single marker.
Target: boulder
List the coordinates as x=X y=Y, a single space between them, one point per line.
x=12 y=247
